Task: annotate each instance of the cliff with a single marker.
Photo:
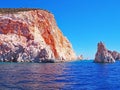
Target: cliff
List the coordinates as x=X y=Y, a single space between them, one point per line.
x=31 y=35
x=104 y=55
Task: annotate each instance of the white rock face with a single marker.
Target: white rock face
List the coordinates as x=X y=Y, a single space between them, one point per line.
x=20 y=52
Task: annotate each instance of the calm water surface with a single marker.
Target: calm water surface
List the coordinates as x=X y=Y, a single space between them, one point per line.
x=78 y=75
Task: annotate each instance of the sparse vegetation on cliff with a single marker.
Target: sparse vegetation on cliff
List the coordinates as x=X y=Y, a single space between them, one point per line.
x=15 y=10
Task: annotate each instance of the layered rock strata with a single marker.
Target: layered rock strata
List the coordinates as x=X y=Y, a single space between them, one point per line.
x=32 y=36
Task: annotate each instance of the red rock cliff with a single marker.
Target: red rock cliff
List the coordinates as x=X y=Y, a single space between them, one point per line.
x=32 y=35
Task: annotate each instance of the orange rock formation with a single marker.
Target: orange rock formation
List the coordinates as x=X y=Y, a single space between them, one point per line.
x=33 y=29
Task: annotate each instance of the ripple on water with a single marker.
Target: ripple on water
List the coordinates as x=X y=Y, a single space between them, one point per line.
x=78 y=75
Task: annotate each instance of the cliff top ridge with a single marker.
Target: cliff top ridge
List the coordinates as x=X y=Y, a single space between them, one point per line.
x=15 y=10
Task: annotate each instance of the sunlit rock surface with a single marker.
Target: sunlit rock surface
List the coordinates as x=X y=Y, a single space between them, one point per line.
x=32 y=36
x=103 y=55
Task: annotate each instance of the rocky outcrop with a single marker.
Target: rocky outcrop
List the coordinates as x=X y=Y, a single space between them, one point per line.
x=32 y=36
x=80 y=57
x=105 y=56
x=116 y=55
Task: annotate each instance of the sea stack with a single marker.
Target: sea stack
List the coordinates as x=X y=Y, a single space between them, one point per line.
x=32 y=35
x=103 y=55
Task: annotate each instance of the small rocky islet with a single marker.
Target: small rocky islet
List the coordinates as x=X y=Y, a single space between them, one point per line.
x=104 y=55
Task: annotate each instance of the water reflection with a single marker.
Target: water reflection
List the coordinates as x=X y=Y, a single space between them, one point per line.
x=81 y=75
x=31 y=76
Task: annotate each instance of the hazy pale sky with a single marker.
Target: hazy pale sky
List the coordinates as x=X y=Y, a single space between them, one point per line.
x=83 y=22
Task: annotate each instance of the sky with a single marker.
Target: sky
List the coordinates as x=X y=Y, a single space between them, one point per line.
x=83 y=22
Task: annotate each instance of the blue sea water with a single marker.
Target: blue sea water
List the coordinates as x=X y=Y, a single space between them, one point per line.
x=77 y=75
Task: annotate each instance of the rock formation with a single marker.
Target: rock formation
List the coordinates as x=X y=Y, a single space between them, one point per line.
x=80 y=57
x=105 y=56
x=32 y=36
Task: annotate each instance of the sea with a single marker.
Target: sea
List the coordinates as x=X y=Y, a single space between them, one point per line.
x=77 y=75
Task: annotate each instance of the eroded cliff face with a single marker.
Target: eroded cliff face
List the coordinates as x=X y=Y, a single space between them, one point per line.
x=32 y=36
x=104 y=55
